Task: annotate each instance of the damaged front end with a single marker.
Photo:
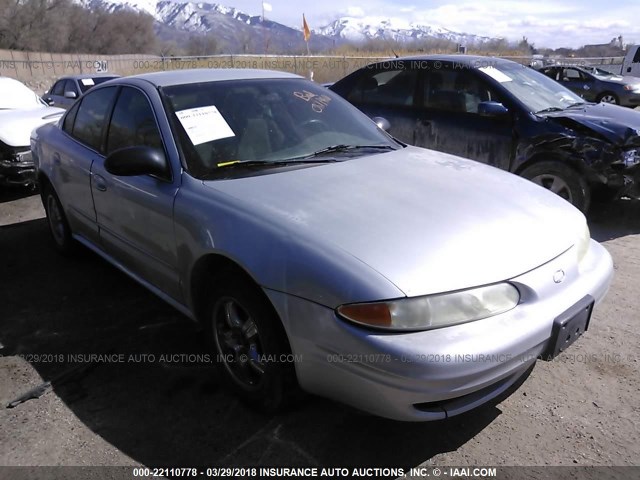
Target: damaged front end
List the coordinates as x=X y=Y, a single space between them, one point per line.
x=16 y=166
x=624 y=173
x=602 y=141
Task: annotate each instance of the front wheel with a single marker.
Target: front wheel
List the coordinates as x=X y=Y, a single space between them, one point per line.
x=251 y=346
x=608 y=97
x=58 y=225
x=562 y=180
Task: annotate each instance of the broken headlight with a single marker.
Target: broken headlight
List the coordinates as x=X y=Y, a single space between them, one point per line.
x=631 y=157
x=12 y=156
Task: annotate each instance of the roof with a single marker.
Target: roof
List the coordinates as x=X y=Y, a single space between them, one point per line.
x=88 y=75
x=180 y=77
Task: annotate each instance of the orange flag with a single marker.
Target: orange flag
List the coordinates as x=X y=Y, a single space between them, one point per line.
x=305 y=29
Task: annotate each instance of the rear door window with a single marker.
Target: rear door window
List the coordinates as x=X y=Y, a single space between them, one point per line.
x=90 y=119
x=389 y=87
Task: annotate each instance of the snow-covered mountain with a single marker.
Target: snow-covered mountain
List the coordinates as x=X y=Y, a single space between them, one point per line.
x=359 y=29
x=234 y=30
x=237 y=31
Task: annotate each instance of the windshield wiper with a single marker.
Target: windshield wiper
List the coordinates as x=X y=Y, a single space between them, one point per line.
x=269 y=163
x=347 y=148
x=550 y=109
x=577 y=104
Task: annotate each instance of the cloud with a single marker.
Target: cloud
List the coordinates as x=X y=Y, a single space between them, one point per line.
x=546 y=23
x=355 y=12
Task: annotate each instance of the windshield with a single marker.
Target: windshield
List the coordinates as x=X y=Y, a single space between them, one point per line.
x=16 y=95
x=222 y=124
x=535 y=90
x=598 y=72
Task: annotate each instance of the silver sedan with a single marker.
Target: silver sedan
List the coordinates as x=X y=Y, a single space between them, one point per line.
x=319 y=253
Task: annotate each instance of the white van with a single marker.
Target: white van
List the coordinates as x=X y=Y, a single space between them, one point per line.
x=631 y=63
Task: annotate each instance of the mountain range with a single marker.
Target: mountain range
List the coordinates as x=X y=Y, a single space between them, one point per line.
x=238 y=32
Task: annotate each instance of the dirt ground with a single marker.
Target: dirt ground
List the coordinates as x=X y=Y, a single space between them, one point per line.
x=580 y=409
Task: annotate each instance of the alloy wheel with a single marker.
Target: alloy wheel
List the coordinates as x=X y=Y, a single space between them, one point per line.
x=56 y=221
x=238 y=342
x=554 y=183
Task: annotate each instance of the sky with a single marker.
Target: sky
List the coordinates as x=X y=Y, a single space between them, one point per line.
x=545 y=23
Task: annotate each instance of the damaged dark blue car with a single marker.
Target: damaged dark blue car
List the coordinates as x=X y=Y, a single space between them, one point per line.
x=510 y=116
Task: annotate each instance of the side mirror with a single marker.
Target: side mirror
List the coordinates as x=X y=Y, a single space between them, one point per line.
x=70 y=94
x=382 y=123
x=492 y=109
x=130 y=161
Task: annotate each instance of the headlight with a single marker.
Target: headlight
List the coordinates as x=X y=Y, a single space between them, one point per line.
x=434 y=311
x=631 y=157
x=582 y=244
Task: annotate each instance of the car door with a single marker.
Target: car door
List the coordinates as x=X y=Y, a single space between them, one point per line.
x=55 y=96
x=578 y=82
x=79 y=145
x=135 y=213
x=450 y=121
x=389 y=91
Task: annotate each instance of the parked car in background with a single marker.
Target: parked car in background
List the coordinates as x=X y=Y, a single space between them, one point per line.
x=21 y=110
x=510 y=116
x=66 y=90
x=631 y=62
x=316 y=250
x=597 y=85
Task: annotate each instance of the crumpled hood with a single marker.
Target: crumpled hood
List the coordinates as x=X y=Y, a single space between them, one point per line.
x=619 y=125
x=16 y=125
x=622 y=79
x=427 y=221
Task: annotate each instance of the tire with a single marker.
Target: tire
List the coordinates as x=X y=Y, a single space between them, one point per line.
x=248 y=340
x=608 y=97
x=562 y=180
x=57 y=220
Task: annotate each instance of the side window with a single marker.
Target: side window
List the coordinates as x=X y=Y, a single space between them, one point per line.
x=456 y=91
x=58 y=88
x=389 y=87
x=67 y=126
x=133 y=122
x=552 y=73
x=91 y=117
x=636 y=57
x=571 y=75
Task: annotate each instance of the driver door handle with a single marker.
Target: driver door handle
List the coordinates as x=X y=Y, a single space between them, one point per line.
x=99 y=183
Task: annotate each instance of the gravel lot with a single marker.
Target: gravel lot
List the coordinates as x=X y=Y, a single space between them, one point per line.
x=580 y=409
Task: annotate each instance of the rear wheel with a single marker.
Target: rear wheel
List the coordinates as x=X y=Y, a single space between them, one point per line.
x=58 y=225
x=251 y=346
x=562 y=180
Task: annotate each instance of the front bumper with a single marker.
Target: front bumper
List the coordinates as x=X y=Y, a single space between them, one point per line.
x=439 y=373
x=630 y=99
x=17 y=171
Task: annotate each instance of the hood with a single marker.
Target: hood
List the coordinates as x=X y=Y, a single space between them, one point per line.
x=16 y=125
x=621 y=80
x=619 y=125
x=427 y=221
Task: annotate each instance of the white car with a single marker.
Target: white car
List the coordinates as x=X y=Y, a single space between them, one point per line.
x=21 y=110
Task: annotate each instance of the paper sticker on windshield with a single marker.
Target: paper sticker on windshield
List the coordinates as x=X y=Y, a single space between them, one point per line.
x=87 y=82
x=496 y=74
x=318 y=102
x=204 y=124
